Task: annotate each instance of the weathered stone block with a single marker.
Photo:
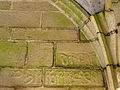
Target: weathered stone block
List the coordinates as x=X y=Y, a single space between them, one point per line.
x=42 y=89
x=40 y=54
x=34 y=6
x=12 y=54
x=116 y=8
x=70 y=8
x=118 y=75
x=76 y=55
x=4 y=34
x=89 y=30
x=19 y=19
x=6 y=89
x=20 y=77
x=119 y=45
x=39 y=34
x=92 y=88
x=73 y=77
x=56 y=19
x=5 y=5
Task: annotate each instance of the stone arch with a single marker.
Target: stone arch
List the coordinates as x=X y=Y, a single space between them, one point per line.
x=96 y=25
x=83 y=22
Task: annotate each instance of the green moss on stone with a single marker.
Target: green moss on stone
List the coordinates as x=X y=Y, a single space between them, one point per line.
x=56 y=19
x=12 y=54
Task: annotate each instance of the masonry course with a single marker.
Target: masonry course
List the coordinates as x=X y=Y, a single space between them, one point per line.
x=12 y=54
x=21 y=77
x=33 y=6
x=40 y=54
x=6 y=88
x=5 y=33
x=41 y=47
x=76 y=55
x=43 y=34
x=5 y=5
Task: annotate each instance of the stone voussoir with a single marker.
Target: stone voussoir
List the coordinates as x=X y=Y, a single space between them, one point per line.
x=12 y=54
x=40 y=5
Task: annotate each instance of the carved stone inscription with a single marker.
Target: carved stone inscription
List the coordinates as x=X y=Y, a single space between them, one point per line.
x=77 y=59
x=20 y=77
x=76 y=55
x=73 y=77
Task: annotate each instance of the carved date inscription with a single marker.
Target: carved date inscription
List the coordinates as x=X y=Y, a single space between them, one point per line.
x=20 y=77
x=73 y=77
x=77 y=59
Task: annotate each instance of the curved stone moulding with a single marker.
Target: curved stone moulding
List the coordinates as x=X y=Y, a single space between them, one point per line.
x=92 y=6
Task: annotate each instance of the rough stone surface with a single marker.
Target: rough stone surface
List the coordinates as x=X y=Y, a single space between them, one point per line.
x=42 y=89
x=71 y=9
x=6 y=89
x=116 y=8
x=20 y=77
x=34 y=6
x=76 y=55
x=12 y=54
x=56 y=19
x=21 y=19
x=5 y=5
x=73 y=77
x=88 y=88
x=39 y=34
x=47 y=55
x=118 y=75
x=40 y=54
x=112 y=40
x=4 y=34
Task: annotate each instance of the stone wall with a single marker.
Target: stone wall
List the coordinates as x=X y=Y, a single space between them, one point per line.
x=41 y=49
